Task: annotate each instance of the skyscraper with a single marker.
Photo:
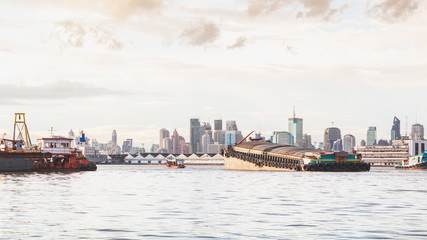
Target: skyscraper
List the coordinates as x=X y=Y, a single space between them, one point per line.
x=417 y=132
x=194 y=135
x=164 y=133
x=206 y=140
x=175 y=142
x=371 y=137
x=127 y=145
x=395 y=130
x=306 y=139
x=282 y=137
x=218 y=124
x=231 y=125
x=331 y=135
x=114 y=142
x=349 y=142
x=295 y=127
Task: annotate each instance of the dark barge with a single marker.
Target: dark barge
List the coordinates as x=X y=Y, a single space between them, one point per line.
x=266 y=156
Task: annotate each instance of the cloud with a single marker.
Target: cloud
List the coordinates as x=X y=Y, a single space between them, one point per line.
x=392 y=11
x=310 y=8
x=240 y=42
x=125 y=8
x=61 y=89
x=74 y=34
x=201 y=33
x=119 y=9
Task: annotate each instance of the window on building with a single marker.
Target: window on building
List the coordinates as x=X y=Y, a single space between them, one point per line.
x=416 y=148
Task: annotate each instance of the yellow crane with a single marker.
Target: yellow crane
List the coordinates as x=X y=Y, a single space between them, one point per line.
x=20 y=130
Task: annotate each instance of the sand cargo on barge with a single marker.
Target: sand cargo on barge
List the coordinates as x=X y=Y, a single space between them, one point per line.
x=267 y=156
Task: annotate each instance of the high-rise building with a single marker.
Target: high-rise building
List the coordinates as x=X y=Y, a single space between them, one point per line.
x=363 y=143
x=167 y=145
x=331 y=135
x=306 y=142
x=114 y=142
x=337 y=146
x=417 y=132
x=164 y=133
x=282 y=137
x=231 y=125
x=395 y=130
x=206 y=141
x=349 y=143
x=295 y=127
x=71 y=134
x=371 y=137
x=218 y=124
x=175 y=142
x=127 y=145
x=194 y=135
x=154 y=148
x=219 y=136
x=206 y=128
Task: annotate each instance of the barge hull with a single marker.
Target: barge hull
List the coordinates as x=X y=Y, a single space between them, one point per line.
x=16 y=165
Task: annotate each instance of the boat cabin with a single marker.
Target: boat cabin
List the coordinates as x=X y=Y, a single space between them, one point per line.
x=56 y=145
x=7 y=144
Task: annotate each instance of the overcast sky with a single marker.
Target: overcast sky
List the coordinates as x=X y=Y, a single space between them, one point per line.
x=140 y=65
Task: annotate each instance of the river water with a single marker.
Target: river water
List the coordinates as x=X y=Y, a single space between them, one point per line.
x=147 y=202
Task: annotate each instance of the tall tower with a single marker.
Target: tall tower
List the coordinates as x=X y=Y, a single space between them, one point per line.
x=395 y=130
x=164 y=133
x=194 y=135
x=20 y=130
x=295 y=127
x=332 y=134
x=114 y=142
x=371 y=136
x=175 y=142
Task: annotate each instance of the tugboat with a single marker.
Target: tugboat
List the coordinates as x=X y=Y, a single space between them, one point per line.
x=414 y=162
x=64 y=158
x=175 y=163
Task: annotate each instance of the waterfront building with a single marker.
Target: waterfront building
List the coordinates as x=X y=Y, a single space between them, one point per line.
x=164 y=133
x=417 y=132
x=231 y=125
x=295 y=127
x=331 y=135
x=127 y=145
x=194 y=135
x=282 y=137
x=417 y=146
x=218 y=124
x=371 y=136
x=395 y=130
x=349 y=142
x=383 y=155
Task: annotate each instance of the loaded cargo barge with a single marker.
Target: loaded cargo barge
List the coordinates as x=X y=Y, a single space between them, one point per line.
x=267 y=156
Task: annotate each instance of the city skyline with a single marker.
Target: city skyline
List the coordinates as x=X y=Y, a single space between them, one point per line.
x=137 y=67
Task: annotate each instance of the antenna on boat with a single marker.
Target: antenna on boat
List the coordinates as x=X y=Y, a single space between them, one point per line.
x=20 y=130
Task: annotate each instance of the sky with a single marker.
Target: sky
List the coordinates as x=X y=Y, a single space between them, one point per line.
x=140 y=65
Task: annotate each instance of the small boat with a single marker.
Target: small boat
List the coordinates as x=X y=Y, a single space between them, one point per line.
x=414 y=162
x=174 y=163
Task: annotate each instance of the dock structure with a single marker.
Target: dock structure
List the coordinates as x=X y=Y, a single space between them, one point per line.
x=266 y=156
